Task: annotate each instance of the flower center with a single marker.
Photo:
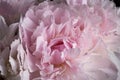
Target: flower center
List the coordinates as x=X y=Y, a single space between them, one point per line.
x=58 y=46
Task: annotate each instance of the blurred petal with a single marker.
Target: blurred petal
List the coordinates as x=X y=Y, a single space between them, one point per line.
x=11 y=10
x=3 y=60
x=11 y=34
x=3 y=27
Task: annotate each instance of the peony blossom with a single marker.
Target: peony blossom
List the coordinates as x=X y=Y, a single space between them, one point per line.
x=72 y=40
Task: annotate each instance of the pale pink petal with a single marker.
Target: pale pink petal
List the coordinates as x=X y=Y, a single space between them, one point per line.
x=13 y=57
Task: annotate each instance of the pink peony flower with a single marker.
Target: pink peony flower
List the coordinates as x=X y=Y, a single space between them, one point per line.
x=73 y=41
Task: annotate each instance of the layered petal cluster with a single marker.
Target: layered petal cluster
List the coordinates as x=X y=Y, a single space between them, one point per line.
x=7 y=35
x=72 y=40
x=10 y=12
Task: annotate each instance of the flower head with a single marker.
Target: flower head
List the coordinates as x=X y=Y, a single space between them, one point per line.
x=63 y=42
